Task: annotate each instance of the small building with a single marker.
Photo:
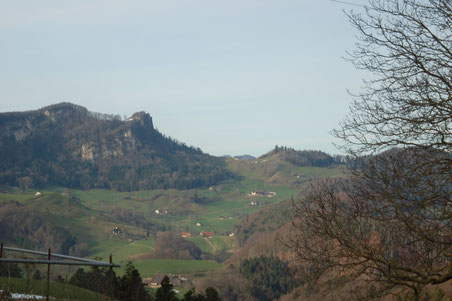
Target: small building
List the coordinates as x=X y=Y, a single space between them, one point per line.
x=155 y=281
x=176 y=280
x=38 y=193
x=262 y=193
x=156 y=211
x=206 y=234
x=198 y=224
x=185 y=234
x=231 y=234
x=116 y=231
x=254 y=203
x=222 y=218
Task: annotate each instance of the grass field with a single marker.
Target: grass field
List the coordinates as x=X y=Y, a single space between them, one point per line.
x=125 y=251
x=120 y=250
x=219 y=243
x=150 y=267
x=201 y=243
x=58 y=291
x=17 y=196
x=89 y=216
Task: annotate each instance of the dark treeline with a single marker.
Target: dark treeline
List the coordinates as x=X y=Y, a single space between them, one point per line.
x=130 y=287
x=126 y=288
x=66 y=146
x=306 y=157
x=29 y=230
x=269 y=276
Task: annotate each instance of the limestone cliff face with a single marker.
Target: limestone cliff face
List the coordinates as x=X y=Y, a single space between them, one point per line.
x=67 y=143
x=143 y=119
x=85 y=135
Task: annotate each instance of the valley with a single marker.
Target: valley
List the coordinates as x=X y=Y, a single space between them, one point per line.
x=91 y=215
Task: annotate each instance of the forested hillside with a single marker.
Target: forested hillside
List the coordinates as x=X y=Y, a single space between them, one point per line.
x=66 y=145
x=25 y=227
x=305 y=157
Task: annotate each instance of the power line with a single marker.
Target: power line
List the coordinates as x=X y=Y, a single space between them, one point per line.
x=348 y=3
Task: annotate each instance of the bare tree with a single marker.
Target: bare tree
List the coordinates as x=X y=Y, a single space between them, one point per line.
x=407 y=46
x=389 y=225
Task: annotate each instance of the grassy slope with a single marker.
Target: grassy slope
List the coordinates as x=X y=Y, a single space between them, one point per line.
x=219 y=243
x=90 y=219
x=120 y=250
x=150 y=267
x=38 y=287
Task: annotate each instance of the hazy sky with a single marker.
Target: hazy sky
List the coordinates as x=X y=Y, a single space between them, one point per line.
x=230 y=77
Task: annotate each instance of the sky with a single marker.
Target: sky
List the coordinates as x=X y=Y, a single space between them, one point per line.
x=230 y=77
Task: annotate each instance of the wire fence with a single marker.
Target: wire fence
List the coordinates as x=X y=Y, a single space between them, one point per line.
x=51 y=259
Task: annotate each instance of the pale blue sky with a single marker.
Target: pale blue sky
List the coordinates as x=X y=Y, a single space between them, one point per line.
x=230 y=77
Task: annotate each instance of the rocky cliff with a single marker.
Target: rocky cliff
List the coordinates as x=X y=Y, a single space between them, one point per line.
x=67 y=145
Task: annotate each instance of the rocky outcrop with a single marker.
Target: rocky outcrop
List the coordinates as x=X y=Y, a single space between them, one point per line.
x=67 y=145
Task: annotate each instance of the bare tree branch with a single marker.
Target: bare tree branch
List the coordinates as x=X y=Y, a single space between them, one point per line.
x=390 y=223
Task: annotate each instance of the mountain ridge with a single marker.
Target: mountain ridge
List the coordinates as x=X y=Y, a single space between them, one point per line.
x=67 y=145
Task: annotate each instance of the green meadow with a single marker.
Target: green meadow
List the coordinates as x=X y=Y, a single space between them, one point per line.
x=89 y=214
x=122 y=251
x=217 y=243
x=58 y=291
x=149 y=267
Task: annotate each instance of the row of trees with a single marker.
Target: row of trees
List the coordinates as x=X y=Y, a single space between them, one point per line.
x=303 y=158
x=103 y=281
x=131 y=288
x=388 y=227
x=167 y=293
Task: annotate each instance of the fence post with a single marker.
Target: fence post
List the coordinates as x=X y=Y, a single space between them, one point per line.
x=1 y=254
x=112 y=289
x=48 y=277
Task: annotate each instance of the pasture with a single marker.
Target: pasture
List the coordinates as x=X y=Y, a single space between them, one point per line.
x=59 y=291
x=90 y=214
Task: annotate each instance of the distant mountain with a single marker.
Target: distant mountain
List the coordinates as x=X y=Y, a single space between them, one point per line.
x=66 y=145
x=241 y=157
x=245 y=157
x=305 y=157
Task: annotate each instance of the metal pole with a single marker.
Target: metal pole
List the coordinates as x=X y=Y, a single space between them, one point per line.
x=111 y=278
x=48 y=277
x=59 y=262
x=54 y=255
x=1 y=254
